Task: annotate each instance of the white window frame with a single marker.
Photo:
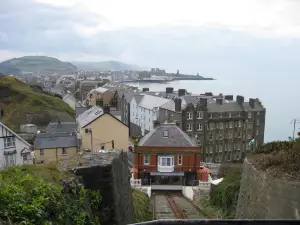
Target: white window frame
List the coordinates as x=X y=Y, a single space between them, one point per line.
x=210 y=115
x=199 y=126
x=145 y=161
x=249 y=115
x=257 y=132
x=189 y=127
x=9 y=142
x=179 y=162
x=221 y=125
x=230 y=124
x=164 y=159
x=199 y=115
x=189 y=116
x=229 y=114
x=240 y=123
x=257 y=114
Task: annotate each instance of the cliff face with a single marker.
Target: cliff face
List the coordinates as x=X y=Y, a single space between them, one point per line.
x=262 y=196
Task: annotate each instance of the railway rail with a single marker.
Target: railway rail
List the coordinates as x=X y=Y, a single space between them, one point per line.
x=168 y=205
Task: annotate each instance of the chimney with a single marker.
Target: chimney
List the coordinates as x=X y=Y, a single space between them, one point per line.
x=240 y=99
x=156 y=123
x=229 y=97
x=177 y=104
x=203 y=101
x=181 y=92
x=169 y=90
x=208 y=93
x=219 y=101
x=106 y=109
x=251 y=102
x=145 y=89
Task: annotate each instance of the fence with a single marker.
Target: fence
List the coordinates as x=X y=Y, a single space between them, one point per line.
x=136 y=183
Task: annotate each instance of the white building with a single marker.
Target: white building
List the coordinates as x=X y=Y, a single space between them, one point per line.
x=13 y=149
x=144 y=110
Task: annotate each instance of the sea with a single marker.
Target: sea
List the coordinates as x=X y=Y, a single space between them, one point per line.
x=280 y=96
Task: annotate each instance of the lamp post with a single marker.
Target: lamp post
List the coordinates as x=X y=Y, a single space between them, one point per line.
x=294 y=122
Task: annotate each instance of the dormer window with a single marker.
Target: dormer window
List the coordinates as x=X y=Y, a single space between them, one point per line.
x=166 y=133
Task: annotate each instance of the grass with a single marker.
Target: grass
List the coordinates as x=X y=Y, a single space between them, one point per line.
x=23 y=103
x=141 y=206
x=48 y=172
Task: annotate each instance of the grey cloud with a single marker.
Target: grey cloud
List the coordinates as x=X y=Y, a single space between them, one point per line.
x=30 y=27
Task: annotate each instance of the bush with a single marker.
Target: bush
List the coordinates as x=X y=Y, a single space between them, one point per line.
x=141 y=208
x=28 y=199
x=225 y=195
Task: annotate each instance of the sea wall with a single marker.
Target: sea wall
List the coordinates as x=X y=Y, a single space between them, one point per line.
x=262 y=196
x=109 y=173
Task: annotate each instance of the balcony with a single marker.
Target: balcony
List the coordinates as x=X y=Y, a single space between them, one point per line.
x=165 y=169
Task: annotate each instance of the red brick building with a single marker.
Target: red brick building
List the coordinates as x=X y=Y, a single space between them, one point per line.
x=167 y=155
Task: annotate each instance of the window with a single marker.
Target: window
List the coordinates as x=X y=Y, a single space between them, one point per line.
x=64 y=151
x=239 y=113
x=230 y=124
x=166 y=134
x=211 y=126
x=211 y=137
x=199 y=126
x=146 y=159
x=230 y=134
x=42 y=161
x=257 y=132
x=249 y=136
x=211 y=149
x=199 y=115
x=249 y=115
x=228 y=157
x=166 y=112
x=257 y=113
x=240 y=123
x=166 y=161
x=41 y=151
x=239 y=134
x=180 y=160
x=189 y=116
x=220 y=115
x=220 y=136
x=10 y=160
x=257 y=122
x=189 y=127
x=210 y=115
x=221 y=125
x=238 y=145
x=249 y=125
x=9 y=142
x=220 y=148
x=229 y=114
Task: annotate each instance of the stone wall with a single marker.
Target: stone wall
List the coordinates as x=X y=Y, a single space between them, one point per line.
x=109 y=173
x=264 y=197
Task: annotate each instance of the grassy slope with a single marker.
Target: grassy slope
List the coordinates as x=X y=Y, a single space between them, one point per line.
x=38 y=63
x=141 y=207
x=20 y=100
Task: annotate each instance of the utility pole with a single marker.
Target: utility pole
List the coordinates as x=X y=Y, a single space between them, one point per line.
x=294 y=122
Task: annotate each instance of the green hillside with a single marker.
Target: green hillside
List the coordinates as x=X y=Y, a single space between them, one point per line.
x=22 y=104
x=36 y=64
x=105 y=65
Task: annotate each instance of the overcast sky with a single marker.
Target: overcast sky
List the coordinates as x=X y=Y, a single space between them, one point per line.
x=191 y=35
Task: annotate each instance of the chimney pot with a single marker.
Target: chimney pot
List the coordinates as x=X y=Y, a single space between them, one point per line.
x=229 y=97
x=169 y=90
x=203 y=101
x=208 y=93
x=181 y=92
x=145 y=89
x=219 y=101
x=177 y=104
x=240 y=99
x=252 y=102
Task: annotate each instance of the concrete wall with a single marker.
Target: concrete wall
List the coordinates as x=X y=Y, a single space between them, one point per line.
x=105 y=129
x=188 y=192
x=264 y=197
x=109 y=173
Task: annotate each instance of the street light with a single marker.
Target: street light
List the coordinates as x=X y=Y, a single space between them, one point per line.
x=294 y=122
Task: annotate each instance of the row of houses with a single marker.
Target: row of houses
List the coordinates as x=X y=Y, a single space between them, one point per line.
x=94 y=129
x=223 y=125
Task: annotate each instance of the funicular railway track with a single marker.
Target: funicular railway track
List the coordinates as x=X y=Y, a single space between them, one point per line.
x=168 y=205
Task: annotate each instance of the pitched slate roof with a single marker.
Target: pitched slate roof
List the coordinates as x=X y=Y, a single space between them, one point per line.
x=80 y=110
x=176 y=137
x=150 y=102
x=89 y=115
x=257 y=106
x=99 y=89
x=54 y=127
x=11 y=131
x=55 y=140
x=138 y=98
x=225 y=107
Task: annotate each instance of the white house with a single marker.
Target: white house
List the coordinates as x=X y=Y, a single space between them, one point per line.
x=13 y=149
x=144 y=110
